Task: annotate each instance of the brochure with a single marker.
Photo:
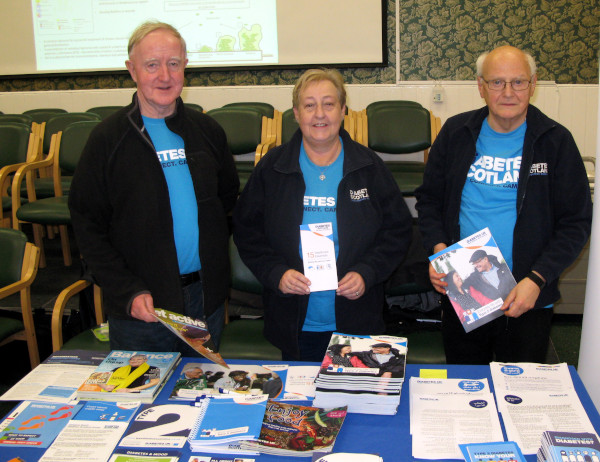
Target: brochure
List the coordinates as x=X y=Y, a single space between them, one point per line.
x=34 y=424
x=563 y=446
x=161 y=426
x=492 y=452
x=129 y=376
x=294 y=430
x=196 y=379
x=145 y=455
x=318 y=255
x=478 y=278
x=192 y=331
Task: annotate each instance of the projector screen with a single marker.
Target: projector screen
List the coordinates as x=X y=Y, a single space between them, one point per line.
x=41 y=37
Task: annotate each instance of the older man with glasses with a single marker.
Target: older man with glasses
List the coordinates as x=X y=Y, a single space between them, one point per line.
x=510 y=168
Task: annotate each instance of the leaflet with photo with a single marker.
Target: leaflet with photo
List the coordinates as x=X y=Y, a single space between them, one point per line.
x=129 y=376
x=478 y=278
x=192 y=331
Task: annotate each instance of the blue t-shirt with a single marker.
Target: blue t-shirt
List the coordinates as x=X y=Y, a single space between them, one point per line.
x=170 y=150
x=489 y=197
x=320 y=203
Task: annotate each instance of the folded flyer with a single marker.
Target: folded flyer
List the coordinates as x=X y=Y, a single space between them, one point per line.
x=478 y=278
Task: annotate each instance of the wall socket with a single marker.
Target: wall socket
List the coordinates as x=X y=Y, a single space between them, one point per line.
x=438 y=94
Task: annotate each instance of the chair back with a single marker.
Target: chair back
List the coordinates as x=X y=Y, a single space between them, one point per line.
x=399 y=129
x=104 y=111
x=73 y=140
x=242 y=127
x=288 y=125
x=43 y=114
x=12 y=249
x=18 y=118
x=390 y=103
x=14 y=143
x=59 y=122
x=242 y=278
x=265 y=109
x=194 y=106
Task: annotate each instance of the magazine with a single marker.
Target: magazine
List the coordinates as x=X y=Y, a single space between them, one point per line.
x=478 y=278
x=35 y=424
x=196 y=379
x=129 y=376
x=294 y=430
x=192 y=331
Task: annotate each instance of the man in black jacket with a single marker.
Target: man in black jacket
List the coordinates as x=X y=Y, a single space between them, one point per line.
x=491 y=278
x=149 y=202
x=510 y=168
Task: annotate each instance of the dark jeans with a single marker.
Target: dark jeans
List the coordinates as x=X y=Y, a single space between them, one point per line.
x=522 y=339
x=313 y=346
x=126 y=334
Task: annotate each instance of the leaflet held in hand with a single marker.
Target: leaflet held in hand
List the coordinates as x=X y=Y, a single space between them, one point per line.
x=478 y=278
x=318 y=255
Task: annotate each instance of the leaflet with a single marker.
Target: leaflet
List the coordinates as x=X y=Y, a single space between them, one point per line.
x=442 y=422
x=516 y=377
x=318 y=255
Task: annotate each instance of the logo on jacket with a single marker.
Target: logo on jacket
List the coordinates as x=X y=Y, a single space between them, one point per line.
x=539 y=169
x=359 y=195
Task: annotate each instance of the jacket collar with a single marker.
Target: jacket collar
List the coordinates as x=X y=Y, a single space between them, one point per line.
x=289 y=161
x=537 y=121
x=174 y=121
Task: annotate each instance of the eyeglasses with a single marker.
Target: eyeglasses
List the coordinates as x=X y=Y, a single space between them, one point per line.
x=499 y=85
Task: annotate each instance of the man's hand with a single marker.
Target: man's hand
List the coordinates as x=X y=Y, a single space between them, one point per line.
x=434 y=276
x=351 y=286
x=142 y=308
x=294 y=283
x=521 y=299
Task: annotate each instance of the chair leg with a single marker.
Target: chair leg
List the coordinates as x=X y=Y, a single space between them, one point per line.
x=66 y=246
x=32 y=346
x=38 y=238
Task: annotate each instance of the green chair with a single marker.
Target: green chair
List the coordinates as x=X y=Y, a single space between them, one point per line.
x=17 y=118
x=85 y=340
x=43 y=114
x=288 y=127
x=194 y=106
x=17 y=272
x=243 y=127
x=65 y=151
x=399 y=129
x=265 y=109
x=104 y=111
x=243 y=338
x=17 y=147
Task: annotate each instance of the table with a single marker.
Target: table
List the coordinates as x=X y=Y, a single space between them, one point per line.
x=387 y=436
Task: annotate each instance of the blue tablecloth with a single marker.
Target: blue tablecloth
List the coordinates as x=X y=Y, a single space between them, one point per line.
x=387 y=436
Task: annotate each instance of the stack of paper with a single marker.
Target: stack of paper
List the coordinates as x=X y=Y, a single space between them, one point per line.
x=363 y=372
x=563 y=446
x=129 y=376
x=294 y=430
x=447 y=412
x=224 y=422
x=534 y=398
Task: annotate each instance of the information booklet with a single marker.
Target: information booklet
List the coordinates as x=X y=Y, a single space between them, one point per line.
x=35 y=424
x=195 y=379
x=363 y=372
x=318 y=255
x=225 y=421
x=508 y=451
x=192 y=331
x=565 y=446
x=478 y=278
x=129 y=376
x=294 y=430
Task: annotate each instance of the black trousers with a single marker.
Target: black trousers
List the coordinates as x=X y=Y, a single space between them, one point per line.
x=522 y=339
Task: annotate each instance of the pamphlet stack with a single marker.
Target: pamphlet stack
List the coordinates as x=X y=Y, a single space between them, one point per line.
x=363 y=372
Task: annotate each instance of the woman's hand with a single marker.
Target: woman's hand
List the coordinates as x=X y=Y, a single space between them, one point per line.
x=351 y=286
x=294 y=283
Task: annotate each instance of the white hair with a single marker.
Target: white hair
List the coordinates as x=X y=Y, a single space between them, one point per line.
x=528 y=58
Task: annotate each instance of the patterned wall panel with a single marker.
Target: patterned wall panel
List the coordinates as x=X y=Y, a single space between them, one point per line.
x=439 y=40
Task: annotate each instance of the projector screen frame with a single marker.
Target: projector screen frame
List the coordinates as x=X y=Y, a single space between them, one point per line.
x=195 y=69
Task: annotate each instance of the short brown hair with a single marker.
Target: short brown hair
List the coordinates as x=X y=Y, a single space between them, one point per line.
x=148 y=27
x=318 y=75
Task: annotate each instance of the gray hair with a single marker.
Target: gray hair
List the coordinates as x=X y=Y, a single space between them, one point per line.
x=319 y=75
x=148 y=27
x=528 y=58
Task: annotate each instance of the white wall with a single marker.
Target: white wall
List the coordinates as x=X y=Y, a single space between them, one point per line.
x=575 y=106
